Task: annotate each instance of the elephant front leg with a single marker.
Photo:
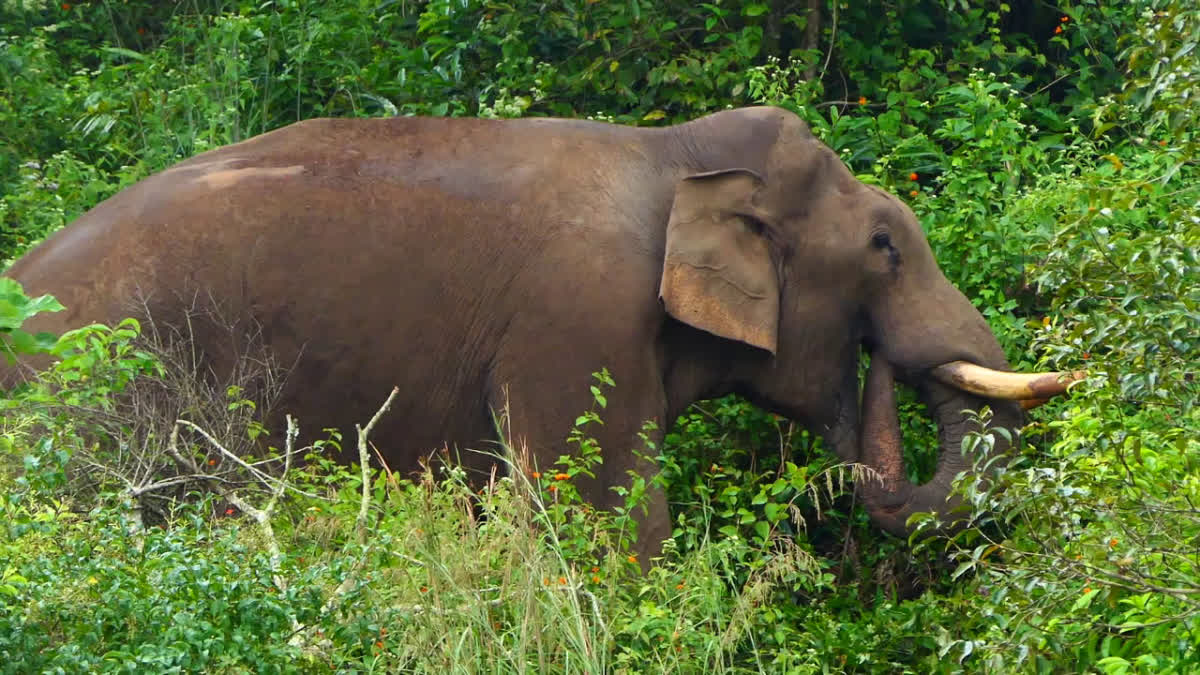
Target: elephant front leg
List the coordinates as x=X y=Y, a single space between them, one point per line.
x=539 y=423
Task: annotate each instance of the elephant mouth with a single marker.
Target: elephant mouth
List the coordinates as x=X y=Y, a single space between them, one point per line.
x=946 y=390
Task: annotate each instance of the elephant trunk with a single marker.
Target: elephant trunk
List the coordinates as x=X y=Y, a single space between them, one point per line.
x=890 y=498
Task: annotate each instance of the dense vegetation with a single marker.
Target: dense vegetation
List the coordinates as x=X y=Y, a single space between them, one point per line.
x=1050 y=151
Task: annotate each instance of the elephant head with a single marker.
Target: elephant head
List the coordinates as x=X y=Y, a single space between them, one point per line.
x=785 y=251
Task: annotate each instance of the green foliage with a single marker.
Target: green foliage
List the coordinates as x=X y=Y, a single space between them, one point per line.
x=1049 y=152
x=1085 y=550
x=103 y=360
x=15 y=309
x=752 y=488
x=107 y=599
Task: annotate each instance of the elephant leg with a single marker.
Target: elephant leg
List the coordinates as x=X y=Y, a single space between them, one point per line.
x=542 y=406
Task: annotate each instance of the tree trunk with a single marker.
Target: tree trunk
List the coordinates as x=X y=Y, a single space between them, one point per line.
x=812 y=35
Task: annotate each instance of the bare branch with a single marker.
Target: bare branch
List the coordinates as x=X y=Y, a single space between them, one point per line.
x=260 y=516
x=360 y=522
x=289 y=444
x=364 y=460
x=265 y=478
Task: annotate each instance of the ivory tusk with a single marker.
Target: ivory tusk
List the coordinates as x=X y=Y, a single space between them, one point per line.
x=1003 y=385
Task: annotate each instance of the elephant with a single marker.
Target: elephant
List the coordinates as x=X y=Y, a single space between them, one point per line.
x=481 y=264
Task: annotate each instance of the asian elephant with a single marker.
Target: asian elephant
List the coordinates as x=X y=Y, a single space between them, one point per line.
x=479 y=264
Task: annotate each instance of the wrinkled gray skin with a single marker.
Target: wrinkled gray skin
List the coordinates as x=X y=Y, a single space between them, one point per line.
x=483 y=264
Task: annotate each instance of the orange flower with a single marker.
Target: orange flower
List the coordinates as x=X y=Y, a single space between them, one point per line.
x=496 y=625
x=66 y=6
x=212 y=462
x=562 y=476
x=595 y=569
x=424 y=589
x=1087 y=355
x=141 y=31
x=679 y=586
x=1163 y=143
x=562 y=581
x=1058 y=30
x=383 y=632
x=1087 y=589
x=632 y=559
x=537 y=474
x=229 y=512
x=546 y=581
x=914 y=193
x=379 y=645
x=595 y=579
x=912 y=176
x=1112 y=543
x=862 y=100
x=554 y=488
x=1065 y=19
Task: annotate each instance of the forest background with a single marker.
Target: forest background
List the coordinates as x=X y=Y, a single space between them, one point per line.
x=1049 y=150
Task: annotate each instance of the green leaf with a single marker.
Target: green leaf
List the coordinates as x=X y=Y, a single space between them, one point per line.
x=600 y=399
x=962 y=568
x=127 y=53
x=774 y=512
x=1084 y=600
x=762 y=529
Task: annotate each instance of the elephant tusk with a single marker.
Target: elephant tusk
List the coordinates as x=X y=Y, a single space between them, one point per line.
x=1003 y=385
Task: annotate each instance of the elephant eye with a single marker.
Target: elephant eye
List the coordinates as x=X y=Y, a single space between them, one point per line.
x=881 y=240
x=754 y=224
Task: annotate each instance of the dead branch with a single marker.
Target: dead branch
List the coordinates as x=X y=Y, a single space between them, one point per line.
x=364 y=460
x=261 y=516
x=361 y=521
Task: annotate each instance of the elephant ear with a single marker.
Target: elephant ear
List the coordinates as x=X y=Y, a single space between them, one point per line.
x=717 y=272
